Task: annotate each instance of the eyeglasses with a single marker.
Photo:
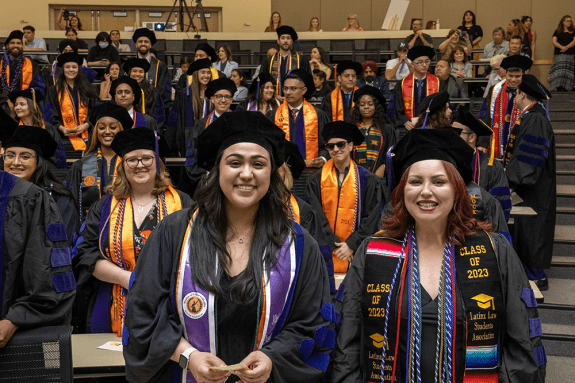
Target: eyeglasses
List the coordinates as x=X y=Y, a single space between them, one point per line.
x=348 y=76
x=11 y=157
x=226 y=97
x=292 y=88
x=427 y=62
x=146 y=161
x=339 y=144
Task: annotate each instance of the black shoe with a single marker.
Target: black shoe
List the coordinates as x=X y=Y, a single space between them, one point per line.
x=542 y=284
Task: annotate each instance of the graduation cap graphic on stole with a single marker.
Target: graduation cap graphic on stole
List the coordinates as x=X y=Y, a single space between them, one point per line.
x=378 y=341
x=484 y=301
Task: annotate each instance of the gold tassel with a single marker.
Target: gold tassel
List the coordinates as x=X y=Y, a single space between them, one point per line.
x=143 y=102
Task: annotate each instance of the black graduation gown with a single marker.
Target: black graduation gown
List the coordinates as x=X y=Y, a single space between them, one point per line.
x=155 y=329
x=36 y=290
x=303 y=64
x=37 y=82
x=493 y=179
x=193 y=171
x=327 y=107
x=488 y=209
x=531 y=171
x=389 y=138
x=69 y=213
x=158 y=77
x=58 y=163
x=396 y=109
x=181 y=117
x=374 y=201
x=517 y=362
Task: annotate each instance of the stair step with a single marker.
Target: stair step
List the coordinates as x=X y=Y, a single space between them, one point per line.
x=565 y=190
x=561 y=291
x=564 y=136
x=563 y=261
x=560 y=369
x=561 y=115
x=565 y=234
x=563 y=124
x=565 y=215
x=564 y=149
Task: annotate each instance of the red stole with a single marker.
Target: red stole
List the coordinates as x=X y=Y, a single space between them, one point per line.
x=408 y=90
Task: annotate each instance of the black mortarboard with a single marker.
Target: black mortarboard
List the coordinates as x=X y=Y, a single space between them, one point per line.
x=420 y=51
x=342 y=129
x=69 y=58
x=293 y=159
x=348 y=64
x=18 y=35
x=533 y=87
x=371 y=91
x=127 y=141
x=136 y=63
x=219 y=84
x=7 y=126
x=433 y=102
x=210 y=51
x=34 y=138
x=144 y=32
x=307 y=79
x=131 y=83
x=465 y=117
x=68 y=43
x=432 y=144
x=235 y=127
x=262 y=79
x=287 y=30
x=109 y=109
x=29 y=93
x=516 y=61
x=199 y=64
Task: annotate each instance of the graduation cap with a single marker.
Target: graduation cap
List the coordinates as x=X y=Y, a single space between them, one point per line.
x=33 y=138
x=29 y=93
x=69 y=58
x=484 y=301
x=307 y=79
x=219 y=84
x=534 y=88
x=372 y=91
x=68 y=43
x=7 y=126
x=136 y=63
x=516 y=61
x=126 y=141
x=109 y=109
x=260 y=83
x=344 y=130
x=235 y=127
x=420 y=51
x=432 y=144
x=377 y=340
x=199 y=64
x=14 y=35
x=210 y=51
x=348 y=64
x=131 y=83
x=466 y=118
x=432 y=103
x=144 y=32
x=294 y=159
x=287 y=30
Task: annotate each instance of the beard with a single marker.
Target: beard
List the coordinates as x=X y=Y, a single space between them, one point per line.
x=16 y=52
x=369 y=78
x=143 y=50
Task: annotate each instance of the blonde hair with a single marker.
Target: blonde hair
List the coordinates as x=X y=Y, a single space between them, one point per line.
x=288 y=177
x=356 y=20
x=121 y=188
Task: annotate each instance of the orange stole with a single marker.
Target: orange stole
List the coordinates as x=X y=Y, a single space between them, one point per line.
x=341 y=207
x=127 y=251
x=408 y=90
x=294 y=209
x=337 y=103
x=25 y=76
x=43 y=124
x=311 y=138
x=69 y=119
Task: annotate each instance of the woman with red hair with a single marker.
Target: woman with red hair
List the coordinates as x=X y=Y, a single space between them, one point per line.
x=433 y=296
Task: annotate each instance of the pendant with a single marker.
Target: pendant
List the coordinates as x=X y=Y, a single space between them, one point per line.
x=241 y=240
x=508 y=118
x=141 y=209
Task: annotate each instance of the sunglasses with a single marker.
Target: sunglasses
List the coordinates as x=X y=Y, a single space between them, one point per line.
x=340 y=145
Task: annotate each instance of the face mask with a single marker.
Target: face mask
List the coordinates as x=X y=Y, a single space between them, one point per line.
x=369 y=78
x=103 y=44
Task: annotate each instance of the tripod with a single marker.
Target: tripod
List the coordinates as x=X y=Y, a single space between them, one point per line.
x=183 y=7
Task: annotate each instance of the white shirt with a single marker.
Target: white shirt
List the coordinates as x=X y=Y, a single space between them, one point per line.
x=131 y=112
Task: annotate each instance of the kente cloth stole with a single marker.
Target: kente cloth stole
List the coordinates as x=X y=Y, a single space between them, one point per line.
x=196 y=307
x=337 y=108
x=306 y=135
x=408 y=90
x=343 y=209
x=71 y=118
x=477 y=279
x=367 y=153
x=121 y=244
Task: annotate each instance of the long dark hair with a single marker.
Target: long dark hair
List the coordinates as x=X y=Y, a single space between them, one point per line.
x=208 y=237
x=472 y=18
x=436 y=119
x=44 y=178
x=272 y=103
x=80 y=83
x=323 y=57
x=560 y=26
x=243 y=81
x=379 y=117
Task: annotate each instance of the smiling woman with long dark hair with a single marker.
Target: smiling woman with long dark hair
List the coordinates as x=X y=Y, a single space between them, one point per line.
x=240 y=282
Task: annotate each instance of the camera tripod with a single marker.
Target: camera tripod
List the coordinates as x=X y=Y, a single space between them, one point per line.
x=183 y=7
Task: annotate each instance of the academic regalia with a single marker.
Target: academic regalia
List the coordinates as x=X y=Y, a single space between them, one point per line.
x=158 y=77
x=153 y=299
x=493 y=179
x=37 y=286
x=371 y=153
x=344 y=104
x=486 y=208
x=521 y=357
x=293 y=61
x=531 y=170
x=156 y=111
x=144 y=120
x=30 y=76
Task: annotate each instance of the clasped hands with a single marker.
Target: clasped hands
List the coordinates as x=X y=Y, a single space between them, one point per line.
x=200 y=363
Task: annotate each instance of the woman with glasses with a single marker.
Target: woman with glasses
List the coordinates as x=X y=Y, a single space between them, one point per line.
x=119 y=224
x=26 y=155
x=261 y=95
x=232 y=279
x=352 y=24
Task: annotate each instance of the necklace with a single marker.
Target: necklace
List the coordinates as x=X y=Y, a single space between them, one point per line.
x=141 y=207
x=240 y=240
